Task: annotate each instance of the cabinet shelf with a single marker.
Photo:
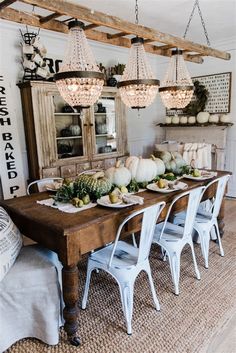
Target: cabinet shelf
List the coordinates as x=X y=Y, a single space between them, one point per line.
x=100 y=113
x=69 y=137
x=63 y=114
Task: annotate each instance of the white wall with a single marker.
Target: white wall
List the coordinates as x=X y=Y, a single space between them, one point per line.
x=142 y=132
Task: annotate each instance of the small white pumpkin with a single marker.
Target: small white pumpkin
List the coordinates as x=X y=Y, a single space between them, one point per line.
x=142 y=170
x=118 y=175
x=175 y=119
x=192 y=119
x=168 y=119
x=214 y=118
x=225 y=118
x=203 y=117
x=160 y=165
x=183 y=120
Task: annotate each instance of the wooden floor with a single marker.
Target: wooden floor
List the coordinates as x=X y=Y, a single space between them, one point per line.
x=225 y=340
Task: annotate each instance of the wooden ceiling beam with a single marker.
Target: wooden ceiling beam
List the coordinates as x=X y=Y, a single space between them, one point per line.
x=58 y=26
x=83 y=13
x=91 y=26
x=116 y=35
x=6 y=3
x=49 y=17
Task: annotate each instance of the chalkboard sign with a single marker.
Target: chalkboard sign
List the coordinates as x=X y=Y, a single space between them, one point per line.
x=219 y=88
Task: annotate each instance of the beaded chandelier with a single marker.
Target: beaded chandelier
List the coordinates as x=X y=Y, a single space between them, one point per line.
x=176 y=89
x=137 y=87
x=79 y=80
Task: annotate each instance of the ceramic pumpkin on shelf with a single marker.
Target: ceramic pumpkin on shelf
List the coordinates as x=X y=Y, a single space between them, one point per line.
x=203 y=117
x=142 y=170
x=118 y=175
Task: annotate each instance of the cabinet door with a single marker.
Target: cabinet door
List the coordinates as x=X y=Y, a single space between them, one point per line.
x=108 y=126
x=71 y=131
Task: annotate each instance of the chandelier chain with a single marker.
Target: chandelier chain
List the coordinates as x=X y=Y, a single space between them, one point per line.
x=196 y=4
x=136 y=12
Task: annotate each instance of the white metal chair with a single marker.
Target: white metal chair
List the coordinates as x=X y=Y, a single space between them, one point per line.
x=42 y=184
x=205 y=220
x=125 y=261
x=172 y=238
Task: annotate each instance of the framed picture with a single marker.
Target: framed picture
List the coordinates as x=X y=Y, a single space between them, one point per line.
x=219 y=88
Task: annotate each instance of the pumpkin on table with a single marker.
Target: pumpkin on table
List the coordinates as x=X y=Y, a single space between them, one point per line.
x=96 y=185
x=118 y=175
x=159 y=164
x=142 y=169
x=174 y=161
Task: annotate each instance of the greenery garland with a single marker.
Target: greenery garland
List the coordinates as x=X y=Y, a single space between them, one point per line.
x=198 y=104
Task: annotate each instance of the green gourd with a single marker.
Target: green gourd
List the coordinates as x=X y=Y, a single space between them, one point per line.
x=96 y=185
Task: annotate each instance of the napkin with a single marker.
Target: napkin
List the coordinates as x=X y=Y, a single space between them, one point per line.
x=177 y=185
x=132 y=199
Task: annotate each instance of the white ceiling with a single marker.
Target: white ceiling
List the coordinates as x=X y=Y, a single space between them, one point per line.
x=171 y=16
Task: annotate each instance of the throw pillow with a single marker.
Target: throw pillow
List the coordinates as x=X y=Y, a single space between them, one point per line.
x=10 y=243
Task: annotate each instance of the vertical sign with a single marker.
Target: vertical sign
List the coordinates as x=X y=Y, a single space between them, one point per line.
x=11 y=166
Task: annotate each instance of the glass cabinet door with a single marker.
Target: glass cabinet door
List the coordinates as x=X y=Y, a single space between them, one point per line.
x=105 y=125
x=69 y=130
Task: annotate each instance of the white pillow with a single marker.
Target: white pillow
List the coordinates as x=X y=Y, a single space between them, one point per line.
x=10 y=243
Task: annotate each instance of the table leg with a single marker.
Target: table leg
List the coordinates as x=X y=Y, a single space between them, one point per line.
x=221 y=216
x=70 y=284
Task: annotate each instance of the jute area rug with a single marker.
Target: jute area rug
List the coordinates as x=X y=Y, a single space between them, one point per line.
x=185 y=323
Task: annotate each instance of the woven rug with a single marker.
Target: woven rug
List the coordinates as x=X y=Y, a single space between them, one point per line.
x=185 y=323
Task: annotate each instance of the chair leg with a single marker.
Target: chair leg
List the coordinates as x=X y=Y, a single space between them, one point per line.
x=204 y=241
x=174 y=260
x=86 y=288
x=195 y=261
x=127 y=294
x=154 y=295
x=134 y=241
x=219 y=239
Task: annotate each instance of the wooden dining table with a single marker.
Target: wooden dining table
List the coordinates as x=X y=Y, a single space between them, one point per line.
x=71 y=235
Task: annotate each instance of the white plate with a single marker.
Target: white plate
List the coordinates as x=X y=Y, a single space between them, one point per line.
x=201 y=178
x=105 y=201
x=154 y=187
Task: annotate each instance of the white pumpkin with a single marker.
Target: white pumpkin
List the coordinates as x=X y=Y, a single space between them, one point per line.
x=142 y=170
x=160 y=165
x=183 y=120
x=165 y=156
x=168 y=119
x=203 y=117
x=192 y=119
x=118 y=175
x=175 y=119
x=225 y=118
x=214 y=118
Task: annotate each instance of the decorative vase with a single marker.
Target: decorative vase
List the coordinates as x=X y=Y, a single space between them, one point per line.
x=67 y=109
x=101 y=129
x=112 y=82
x=75 y=130
x=66 y=132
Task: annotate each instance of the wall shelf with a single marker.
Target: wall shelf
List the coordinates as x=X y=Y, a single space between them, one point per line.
x=195 y=125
